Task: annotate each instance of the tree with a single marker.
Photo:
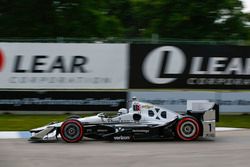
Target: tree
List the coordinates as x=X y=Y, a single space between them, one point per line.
x=181 y=19
x=193 y=19
x=58 y=18
x=26 y=18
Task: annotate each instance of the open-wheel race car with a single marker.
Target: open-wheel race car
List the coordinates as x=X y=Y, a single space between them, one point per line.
x=143 y=121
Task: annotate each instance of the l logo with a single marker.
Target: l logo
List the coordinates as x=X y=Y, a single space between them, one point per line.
x=163 y=61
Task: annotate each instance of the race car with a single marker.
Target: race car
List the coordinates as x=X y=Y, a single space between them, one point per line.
x=142 y=121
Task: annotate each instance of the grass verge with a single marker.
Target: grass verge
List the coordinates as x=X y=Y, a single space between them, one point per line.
x=236 y=121
x=9 y=122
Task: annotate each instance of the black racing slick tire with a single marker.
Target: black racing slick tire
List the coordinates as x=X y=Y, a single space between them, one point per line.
x=72 y=131
x=188 y=129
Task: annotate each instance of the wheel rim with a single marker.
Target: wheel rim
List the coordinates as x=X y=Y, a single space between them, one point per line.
x=188 y=129
x=72 y=131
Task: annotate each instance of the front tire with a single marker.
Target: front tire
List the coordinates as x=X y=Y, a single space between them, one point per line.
x=188 y=129
x=71 y=131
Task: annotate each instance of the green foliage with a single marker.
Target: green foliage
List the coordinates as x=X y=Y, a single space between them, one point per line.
x=192 y=19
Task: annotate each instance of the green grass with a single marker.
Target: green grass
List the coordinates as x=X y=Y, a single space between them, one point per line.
x=237 y=121
x=26 y=122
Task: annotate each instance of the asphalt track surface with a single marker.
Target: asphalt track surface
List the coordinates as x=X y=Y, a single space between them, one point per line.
x=229 y=149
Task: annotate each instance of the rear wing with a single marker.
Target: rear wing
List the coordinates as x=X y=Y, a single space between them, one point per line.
x=202 y=106
x=205 y=111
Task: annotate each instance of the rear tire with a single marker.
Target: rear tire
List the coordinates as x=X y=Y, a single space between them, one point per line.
x=188 y=129
x=71 y=131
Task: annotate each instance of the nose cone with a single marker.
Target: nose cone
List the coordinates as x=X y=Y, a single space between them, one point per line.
x=38 y=129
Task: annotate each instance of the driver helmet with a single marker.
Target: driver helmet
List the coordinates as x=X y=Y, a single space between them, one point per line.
x=134 y=98
x=122 y=111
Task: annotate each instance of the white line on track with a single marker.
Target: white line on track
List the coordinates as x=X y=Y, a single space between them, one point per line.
x=14 y=134
x=221 y=129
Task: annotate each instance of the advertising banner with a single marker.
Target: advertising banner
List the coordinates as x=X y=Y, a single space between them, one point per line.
x=63 y=66
x=61 y=101
x=176 y=100
x=189 y=66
